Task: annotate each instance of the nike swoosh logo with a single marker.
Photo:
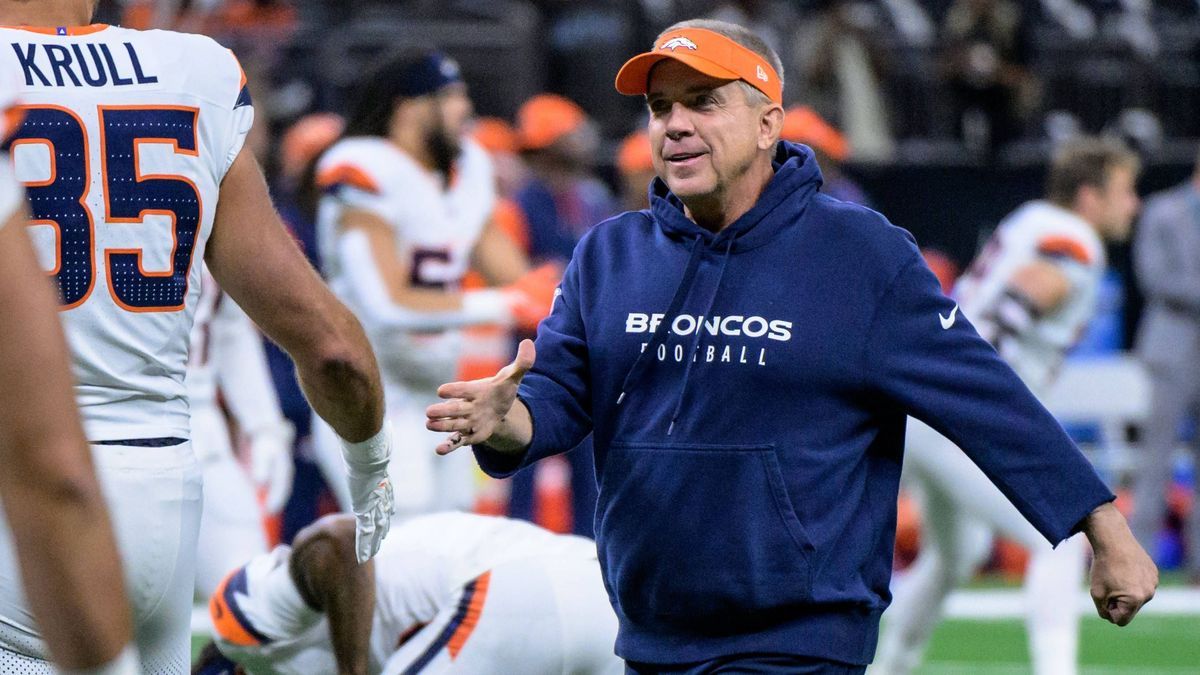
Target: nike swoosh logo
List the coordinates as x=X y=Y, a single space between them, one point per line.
x=948 y=321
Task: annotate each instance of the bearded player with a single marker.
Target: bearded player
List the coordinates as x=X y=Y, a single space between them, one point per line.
x=406 y=209
x=131 y=154
x=448 y=593
x=1031 y=293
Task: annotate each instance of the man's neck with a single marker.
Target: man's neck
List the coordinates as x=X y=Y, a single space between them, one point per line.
x=413 y=145
x=44 y=13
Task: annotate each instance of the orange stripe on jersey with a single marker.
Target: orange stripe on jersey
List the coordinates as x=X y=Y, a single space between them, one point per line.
x=1065 y=247
x=225 y=621
x=471 y=620
x=347 y=174
x=62 y=30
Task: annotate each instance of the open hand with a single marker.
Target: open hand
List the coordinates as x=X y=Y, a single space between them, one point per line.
x=473 y=410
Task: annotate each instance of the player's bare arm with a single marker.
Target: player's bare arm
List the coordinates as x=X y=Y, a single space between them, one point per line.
x=486 y=412
x=330 y=580
x=256 y=261
x=497 y=257
x=393 y=270
x=1043 y=284
x=1123 y=575
x=49 y=486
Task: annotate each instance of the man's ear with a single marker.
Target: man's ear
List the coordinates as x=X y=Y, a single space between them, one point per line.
x=770 y=126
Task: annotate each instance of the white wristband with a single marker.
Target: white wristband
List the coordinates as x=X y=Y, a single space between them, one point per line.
x=126 y=663
x=489 y=305
x=369 y=454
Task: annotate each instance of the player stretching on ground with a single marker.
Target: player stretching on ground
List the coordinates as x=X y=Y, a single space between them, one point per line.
x=131 y=152
x=52 y=500
x=448 y=593
x=407 y=208
x=227 y=355
x=1031 y=293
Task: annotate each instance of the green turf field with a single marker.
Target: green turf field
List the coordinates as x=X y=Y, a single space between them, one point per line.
x=1151 y=645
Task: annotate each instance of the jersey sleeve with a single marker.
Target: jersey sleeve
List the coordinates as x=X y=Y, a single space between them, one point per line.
x=241 y=117
x=11 y=115
x=355 y=183
x=1069 y=255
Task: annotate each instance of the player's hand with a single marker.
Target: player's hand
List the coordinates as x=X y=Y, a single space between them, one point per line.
x=371 y=498
x=1123 y=575
x=473 y=410
x=271 y=465
x=531 y=297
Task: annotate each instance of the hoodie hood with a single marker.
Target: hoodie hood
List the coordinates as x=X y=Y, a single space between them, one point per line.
x=797 y=178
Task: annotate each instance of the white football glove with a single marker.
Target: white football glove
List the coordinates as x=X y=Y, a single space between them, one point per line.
x=370 y=490
x=271 y=464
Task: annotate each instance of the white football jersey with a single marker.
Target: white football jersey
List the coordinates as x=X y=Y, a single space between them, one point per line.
x=127 y=136
x=1038 y=230
x=436 y=227
x=419 y=569
x=11 y=194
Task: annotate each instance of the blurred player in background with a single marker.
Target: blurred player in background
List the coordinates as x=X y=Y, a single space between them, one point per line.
x=57 y=521
x=636 y=168
x=448 y=593
x=132 y=155
x=226 y=355
x=407 y=207
x=1031 y=293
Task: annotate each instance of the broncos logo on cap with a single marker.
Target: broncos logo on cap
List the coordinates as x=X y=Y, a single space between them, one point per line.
x=677 y=42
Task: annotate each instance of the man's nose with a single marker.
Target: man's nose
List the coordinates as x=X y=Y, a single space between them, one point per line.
x=679 y=122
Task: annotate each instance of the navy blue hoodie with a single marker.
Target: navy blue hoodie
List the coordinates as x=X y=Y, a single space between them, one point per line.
x=748 y=393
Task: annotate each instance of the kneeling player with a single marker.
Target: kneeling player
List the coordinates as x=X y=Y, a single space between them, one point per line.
x=448 y=593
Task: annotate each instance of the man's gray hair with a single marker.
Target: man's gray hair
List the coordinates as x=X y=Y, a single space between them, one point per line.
x=744 y=37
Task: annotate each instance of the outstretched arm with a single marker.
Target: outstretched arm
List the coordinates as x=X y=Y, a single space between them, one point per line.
x=255 y=260
x=55 y=508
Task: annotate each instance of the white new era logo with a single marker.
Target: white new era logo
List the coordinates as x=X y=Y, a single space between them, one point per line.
x=762 y=74
x=677 y=42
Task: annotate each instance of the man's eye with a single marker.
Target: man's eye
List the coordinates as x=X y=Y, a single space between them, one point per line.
x=706 y=100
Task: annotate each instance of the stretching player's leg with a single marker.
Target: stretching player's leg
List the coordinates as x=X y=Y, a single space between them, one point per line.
x=952 y=547
x=1052 y=585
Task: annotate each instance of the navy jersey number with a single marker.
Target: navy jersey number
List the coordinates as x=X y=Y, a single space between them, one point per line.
x=129 y=196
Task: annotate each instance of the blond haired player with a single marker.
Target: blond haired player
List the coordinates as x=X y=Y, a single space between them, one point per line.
x=51 y=498
x=1031 y=293
x=131 y=154
x=448 y=593
x=227 y=356
x=406 y=209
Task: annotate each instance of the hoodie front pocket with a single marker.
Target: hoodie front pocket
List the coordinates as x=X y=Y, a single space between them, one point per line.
x=693 y=534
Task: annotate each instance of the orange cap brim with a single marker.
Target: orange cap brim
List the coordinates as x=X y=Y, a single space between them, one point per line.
x=707 y=52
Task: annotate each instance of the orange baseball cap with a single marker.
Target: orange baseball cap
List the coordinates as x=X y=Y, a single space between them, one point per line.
x=802 y=124
x=710 y=53
x=634 y=154
x=495 y=135
x=545 y=118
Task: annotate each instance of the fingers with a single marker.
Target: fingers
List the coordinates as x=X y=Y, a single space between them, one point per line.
x=521 y=364
x=453 y=408
x=372 y=526
x=448 y=424
x=463 y=390
x=457 y=440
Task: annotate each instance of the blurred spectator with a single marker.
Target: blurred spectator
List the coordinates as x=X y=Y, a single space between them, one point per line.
x=1167 y=262
x=985 y=60
x=838 y=64
x=802 y=124
x=561 y=198
x=500 y=140
x=636 y=166
x=769 y=19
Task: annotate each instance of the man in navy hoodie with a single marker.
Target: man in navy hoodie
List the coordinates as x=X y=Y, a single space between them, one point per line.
x=745 y=353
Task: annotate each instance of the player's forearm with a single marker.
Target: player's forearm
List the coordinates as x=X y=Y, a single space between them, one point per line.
x=340 y=378
x=1106 y=528
x=78 y=599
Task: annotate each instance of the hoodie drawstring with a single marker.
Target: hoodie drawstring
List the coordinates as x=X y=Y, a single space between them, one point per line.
x=687 y=368
x=664 y=329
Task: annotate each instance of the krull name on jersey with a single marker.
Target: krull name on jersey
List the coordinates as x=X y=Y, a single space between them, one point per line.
x=734 y=325
x=80 y=65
